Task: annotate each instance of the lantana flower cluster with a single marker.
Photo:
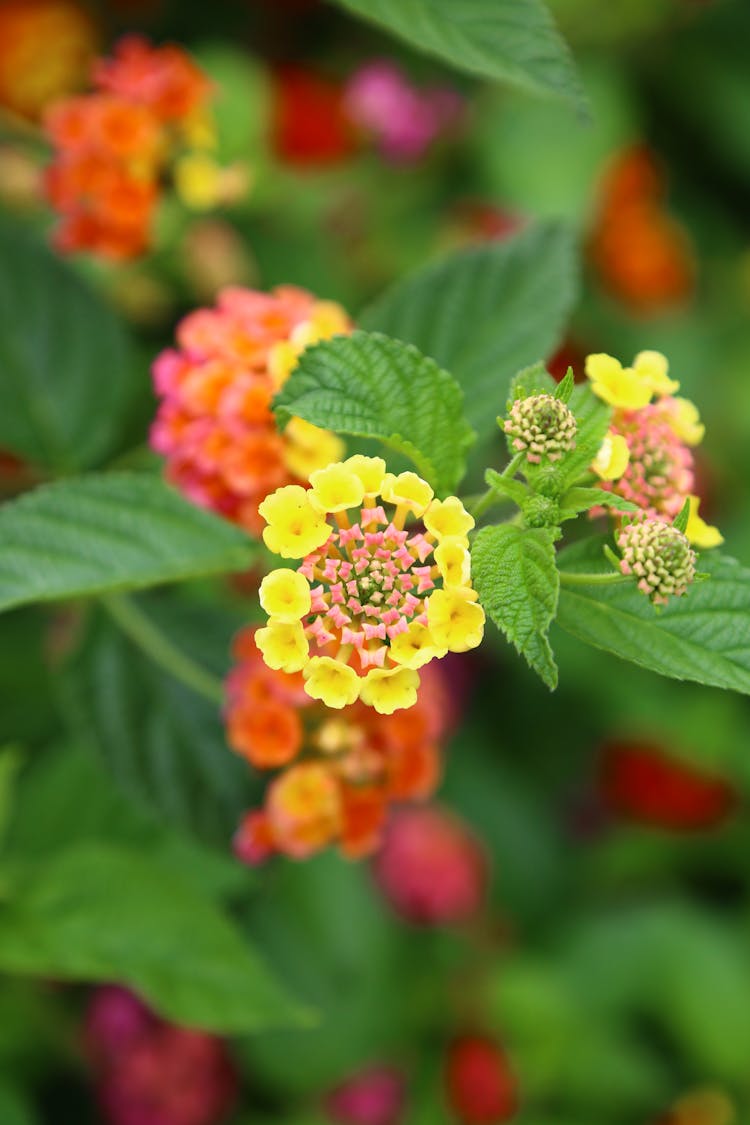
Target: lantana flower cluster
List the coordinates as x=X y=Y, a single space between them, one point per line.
x=215 y=425
x=339 y=771
x=148 y=113
x=371 y=602
x=647 y=455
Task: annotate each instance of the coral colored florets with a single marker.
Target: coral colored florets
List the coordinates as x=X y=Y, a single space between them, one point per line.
x=112 y=146
x=541 y=426
x=659 y=556
x=381 y=601
x=340 y=771
x=215 y=425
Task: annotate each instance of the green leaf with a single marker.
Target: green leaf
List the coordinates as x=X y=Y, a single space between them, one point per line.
x=10 y=763
x=565 y=386
x=14 y=1108
x=485 y=313
x=117 y=531
x=507 y=486
x=513 y=41
x=99 y=913
x=703 y=636
x=516 y=578
x=162 y=744
x=67 y=377
x=371 y=386
x=593 y=417
x=582 y=499
x=681 y=519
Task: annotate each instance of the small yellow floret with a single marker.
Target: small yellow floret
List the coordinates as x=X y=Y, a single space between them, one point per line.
x=455 y=619
x=284 y=646
x=285 y=595
x=389 y=690
x=686 y=422
x=415 y=647
x=407 y=489
x=370 y=470
x=448 y=518
x=282 y=360
x=199 y=130
x=700 y=533
x=197 y=180
x=329 y=319
x=652 y=368
x=453 y=561
x=612 y=459
x=615 y=384
x=335 y=684
x=295 y=528
x=309 y=448
x=336 y=488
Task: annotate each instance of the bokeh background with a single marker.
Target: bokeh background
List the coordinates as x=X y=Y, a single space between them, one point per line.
x=604 y=976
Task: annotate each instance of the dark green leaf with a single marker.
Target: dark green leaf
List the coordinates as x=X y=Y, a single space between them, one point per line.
x=593 y=417
x=163 y=744
x=485 y=313
x=703 y=636
x=66 y=368
x=117 y=531
x=516 y=578
x=99 y=913
x=514 y=41
x=506 y=486
x=582 y=499
x=371 y=386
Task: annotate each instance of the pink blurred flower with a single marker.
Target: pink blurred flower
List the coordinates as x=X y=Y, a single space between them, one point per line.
x=115 y=1019
x=404 y=119
x=431 y=868
x=373 y=1097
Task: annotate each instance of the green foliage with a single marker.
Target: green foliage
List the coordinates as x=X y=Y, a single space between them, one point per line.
x=516 y=578
x=99 y=912
x=67 y=372
x=371 y=386
x=593 y=417
x=532 y=380
x=514 y=41
x=704 y=636
x=14 y=1109
x=162 y=743
x=582 y=499
x=119 y=531
x=485 y=313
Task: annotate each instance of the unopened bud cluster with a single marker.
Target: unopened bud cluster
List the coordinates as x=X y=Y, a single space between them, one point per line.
x=659 y=556
x=541 y=426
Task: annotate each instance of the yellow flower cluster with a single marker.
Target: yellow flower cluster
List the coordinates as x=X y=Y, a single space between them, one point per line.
x=372 y=602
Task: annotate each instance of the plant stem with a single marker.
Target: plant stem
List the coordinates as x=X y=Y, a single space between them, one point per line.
x=150 y=639
x=485 y=501
x=611 y=578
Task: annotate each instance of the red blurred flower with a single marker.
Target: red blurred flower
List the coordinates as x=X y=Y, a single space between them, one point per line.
x=643 y=783
x=431 y=868
x=481 y=1087
x=310 y=127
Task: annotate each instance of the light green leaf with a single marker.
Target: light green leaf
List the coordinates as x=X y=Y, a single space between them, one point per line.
x=516 y=578
x=532 y=380
x=565 y=386
x=582 y=499
x=485 y=313
x=703 y=636
x=67 y=377
x=99 y=913
x=514 y=41
x=371 y=386
x=116 y=531
x=14 y=1107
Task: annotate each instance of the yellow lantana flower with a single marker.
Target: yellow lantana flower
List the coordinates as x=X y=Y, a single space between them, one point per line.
x=308 y=448
x=612 y=459
x=285 y=595
x=407 y=490
x=453 y=561
x=370 y=470
x=619 y=386
x=390 y=689
x=335 y=684
x=700 y=533
x=284 y=646
x=652 y=368
x=295 y=527
x=448 y=518
x=415 y=647
x=336 y=488
x=455 y=619
x=686 y=422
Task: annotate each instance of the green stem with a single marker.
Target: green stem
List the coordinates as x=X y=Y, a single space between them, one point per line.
x=150 y=639
x=486 y=501
x=609 y=579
